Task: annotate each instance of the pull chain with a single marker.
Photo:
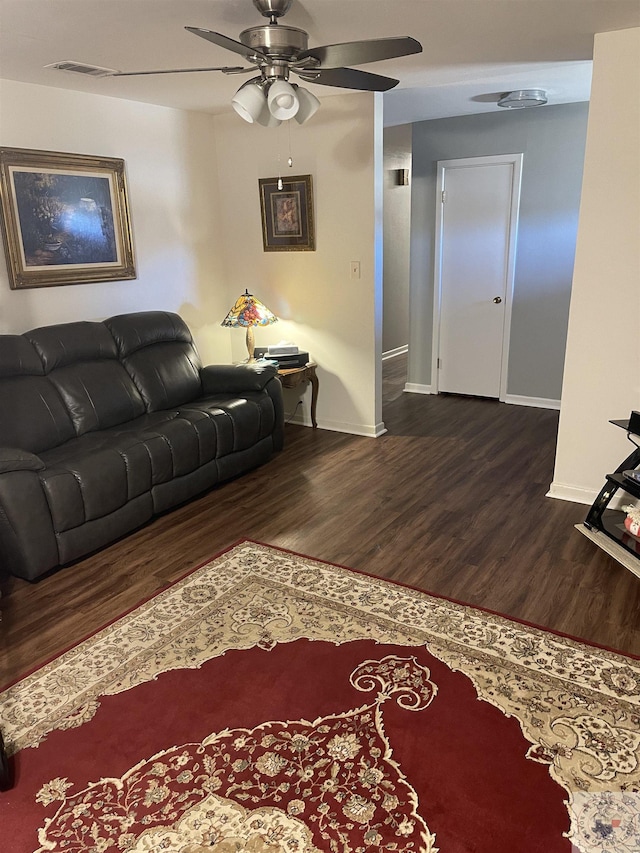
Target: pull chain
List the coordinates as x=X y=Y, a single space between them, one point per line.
x=279 y=183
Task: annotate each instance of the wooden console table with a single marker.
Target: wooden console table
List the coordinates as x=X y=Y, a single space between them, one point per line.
x=291 y=377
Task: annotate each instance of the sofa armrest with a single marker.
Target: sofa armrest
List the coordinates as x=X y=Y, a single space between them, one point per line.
x=28 y=545
x=234 y=378
x=12 y=459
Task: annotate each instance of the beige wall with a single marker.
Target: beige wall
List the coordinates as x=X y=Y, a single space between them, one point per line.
x=193 y=192
x=602 y=367
x=170 y=172
x=321 y=308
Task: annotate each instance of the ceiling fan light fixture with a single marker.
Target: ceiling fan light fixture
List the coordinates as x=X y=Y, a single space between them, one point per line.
x=309 y=104
x=249 y=101
x=522 y=98
x=266 y=119
x=276 y=51
x=283 y=100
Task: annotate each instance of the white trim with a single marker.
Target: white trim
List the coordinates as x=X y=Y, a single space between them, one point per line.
x=378 y=247
x=580 y=495
x=414 y=388
x=338 y=426
x=575 y=494
x=534 y=402
x=392 y=353
x=437 y=281
x=465 y=162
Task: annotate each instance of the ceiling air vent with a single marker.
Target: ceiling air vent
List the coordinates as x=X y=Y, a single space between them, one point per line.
x=81 y=68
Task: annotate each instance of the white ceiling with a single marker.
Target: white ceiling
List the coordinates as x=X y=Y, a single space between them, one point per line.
x=473 y=49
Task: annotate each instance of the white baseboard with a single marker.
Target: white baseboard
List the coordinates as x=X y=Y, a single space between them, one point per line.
x=534 y=402
x=579 y=495
x=511 y=399
x=392 y=353
x=338 y=426
x=414 y=388
x=575 y=494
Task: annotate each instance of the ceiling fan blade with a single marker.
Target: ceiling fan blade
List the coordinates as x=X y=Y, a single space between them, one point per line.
x=227 y=43
x=348 y=78
x=226 y=69
x=361 y=52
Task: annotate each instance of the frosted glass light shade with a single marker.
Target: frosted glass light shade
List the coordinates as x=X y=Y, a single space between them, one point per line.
x=249 y=101
x=309 y=104
x=283 y=101
x=266 y=119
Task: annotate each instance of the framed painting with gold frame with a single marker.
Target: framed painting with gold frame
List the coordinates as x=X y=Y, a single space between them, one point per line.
x=287 y=214
x=65 y=218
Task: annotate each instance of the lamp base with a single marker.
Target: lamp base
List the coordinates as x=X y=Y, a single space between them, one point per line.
x=250 y=343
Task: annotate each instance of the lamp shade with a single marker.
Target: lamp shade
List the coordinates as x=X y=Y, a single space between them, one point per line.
x=269 y=103
x=309 y=104
x=283 y=101
x=249 y=101
x=266 y=119
x=249 y=312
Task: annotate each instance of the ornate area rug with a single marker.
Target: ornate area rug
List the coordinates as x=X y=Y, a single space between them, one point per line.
x=270 y=703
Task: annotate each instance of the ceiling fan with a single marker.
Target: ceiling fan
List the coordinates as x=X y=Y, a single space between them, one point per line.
x=277 y=50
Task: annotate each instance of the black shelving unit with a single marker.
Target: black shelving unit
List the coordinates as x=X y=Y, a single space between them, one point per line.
x=604 y=525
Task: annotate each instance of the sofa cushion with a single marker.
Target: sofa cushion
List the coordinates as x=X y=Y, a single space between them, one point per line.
x=70 y=343
x=177 y=442
x=240 y=420
x=92 y=476
x=32 y=415
x=158 y=352
x=81 y=361
x=78 y=541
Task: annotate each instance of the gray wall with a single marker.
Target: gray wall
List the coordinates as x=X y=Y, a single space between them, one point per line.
x=552 y=140
x=397 y=218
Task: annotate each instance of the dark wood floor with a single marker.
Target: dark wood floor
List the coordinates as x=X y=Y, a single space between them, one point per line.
x=451 y=499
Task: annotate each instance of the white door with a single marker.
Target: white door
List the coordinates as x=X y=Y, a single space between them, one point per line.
x=475 y=246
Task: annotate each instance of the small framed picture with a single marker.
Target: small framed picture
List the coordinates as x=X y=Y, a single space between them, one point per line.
x=65 y=218
x=287 y=214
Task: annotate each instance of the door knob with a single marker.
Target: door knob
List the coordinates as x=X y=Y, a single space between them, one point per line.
x=497 y=299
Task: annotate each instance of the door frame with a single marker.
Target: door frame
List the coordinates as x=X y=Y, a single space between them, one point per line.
x=515 y=160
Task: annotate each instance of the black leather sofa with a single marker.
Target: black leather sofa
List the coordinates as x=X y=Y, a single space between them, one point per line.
x=104 y=425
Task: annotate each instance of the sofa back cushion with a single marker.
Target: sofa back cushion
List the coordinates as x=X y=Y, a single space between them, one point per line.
x=81 y=361
x=32 y=415
x=158 y=352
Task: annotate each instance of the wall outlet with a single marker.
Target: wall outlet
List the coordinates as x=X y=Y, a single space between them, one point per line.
x=355 y=269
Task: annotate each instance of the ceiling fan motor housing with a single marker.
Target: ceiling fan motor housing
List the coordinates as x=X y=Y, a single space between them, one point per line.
x=276 y=40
